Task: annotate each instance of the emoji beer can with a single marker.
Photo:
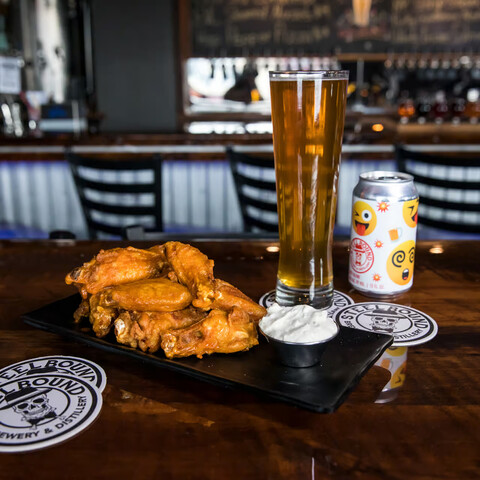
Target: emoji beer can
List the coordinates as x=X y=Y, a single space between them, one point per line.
x=383 y=233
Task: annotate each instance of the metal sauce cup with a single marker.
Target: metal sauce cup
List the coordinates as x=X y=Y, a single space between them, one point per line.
x=299 y=355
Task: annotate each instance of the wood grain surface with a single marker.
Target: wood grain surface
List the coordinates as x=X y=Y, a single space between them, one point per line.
x=157 y=424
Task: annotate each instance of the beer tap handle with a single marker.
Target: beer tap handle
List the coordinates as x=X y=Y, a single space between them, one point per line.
x=17 y=120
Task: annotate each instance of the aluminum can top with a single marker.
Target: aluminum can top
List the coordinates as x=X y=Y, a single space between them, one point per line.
x=396 y=186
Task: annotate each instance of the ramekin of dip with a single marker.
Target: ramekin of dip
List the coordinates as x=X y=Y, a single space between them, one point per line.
x=299 y=334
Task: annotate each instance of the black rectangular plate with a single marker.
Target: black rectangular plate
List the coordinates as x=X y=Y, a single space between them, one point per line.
x=321 y=388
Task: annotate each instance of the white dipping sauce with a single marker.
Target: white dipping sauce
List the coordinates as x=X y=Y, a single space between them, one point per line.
x=298 y=324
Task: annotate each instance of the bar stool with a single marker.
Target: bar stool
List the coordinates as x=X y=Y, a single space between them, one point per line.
x=117 y=193
x=254 y=179
x=449 y=188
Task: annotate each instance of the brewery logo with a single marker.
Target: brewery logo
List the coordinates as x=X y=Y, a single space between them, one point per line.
x=267 y=299
x=407 y=325
x=361 y=256
x=39 y=411
x=64 y=365
x=340 y=300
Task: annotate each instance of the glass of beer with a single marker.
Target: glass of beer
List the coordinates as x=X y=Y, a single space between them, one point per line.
x=361 y=12
x=308 y=115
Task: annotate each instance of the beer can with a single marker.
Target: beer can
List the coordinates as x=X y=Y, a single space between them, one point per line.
x=383 y=234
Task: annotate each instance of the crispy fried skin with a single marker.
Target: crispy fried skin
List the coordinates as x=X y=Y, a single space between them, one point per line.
x=115 y=267
x=83 y=310
x=145 y=329
x=220 y=332
x=165 y=297
x=227 y=296
x=194 y=270
x=101 y=317
x=149 y=295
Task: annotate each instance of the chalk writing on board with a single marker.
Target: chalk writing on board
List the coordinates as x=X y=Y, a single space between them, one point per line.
x=436 y=24
x=283 y=27
x=257 y=25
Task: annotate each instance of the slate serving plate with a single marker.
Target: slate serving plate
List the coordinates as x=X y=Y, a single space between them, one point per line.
x=321 y=388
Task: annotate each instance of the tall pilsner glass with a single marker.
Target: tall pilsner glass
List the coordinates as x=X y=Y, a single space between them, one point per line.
x=308 y=115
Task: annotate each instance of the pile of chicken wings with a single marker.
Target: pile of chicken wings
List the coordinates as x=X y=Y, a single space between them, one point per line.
x=165 y=297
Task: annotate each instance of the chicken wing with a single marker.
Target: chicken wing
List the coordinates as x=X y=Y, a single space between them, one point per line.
x=145 y=329
x=165 y=297
x=227 y=296
x=101 y=317
x=194 y=270
x=220 y=332
x=115 y=267
x=149 y=295
x=83 y=310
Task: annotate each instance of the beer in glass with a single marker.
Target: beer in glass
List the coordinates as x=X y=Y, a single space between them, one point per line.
x=308 y=115
x=361 y=12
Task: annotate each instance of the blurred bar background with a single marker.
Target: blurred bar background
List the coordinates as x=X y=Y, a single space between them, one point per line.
x=186 y=79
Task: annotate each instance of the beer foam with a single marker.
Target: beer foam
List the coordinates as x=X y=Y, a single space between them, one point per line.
x=288 y=78
x=291 y=76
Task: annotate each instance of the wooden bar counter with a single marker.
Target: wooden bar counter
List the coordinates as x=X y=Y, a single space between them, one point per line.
x=159 y=424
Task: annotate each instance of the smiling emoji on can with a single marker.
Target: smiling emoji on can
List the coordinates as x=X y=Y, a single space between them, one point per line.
x=364 y=218
x=410 y=212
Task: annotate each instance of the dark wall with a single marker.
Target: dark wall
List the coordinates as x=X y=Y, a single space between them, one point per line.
x=134 y=58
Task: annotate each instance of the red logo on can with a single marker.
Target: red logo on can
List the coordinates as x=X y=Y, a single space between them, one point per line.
x=361 y=256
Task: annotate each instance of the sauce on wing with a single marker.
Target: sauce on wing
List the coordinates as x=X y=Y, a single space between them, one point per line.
x=165 y=297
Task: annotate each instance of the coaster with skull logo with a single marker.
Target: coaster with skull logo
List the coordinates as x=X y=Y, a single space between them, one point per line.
x=407 y=325
x=63 y=365
x=42 y=410
x=31 y=403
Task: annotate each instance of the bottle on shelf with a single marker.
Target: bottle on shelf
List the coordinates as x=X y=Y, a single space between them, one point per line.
x=440 y=107
x=472 y=107
x=458 y=110
x=424 y=107
x=406 y=107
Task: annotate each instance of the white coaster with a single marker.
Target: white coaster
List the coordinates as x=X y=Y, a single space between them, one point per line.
x=43 y=410
x=340 y=300
x=407 y=325
x=56 y=364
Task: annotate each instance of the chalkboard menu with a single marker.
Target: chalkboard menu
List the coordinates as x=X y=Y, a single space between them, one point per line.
x=436 y=25
x=323 y=27
x=265 y=27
